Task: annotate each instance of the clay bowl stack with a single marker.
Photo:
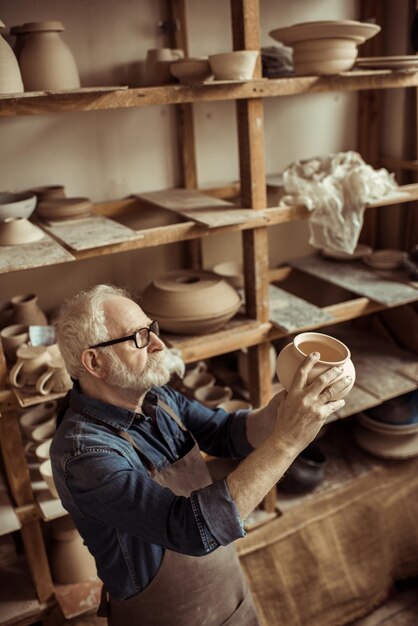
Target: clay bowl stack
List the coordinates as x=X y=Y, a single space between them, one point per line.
x=190 y=302
x=387 y=441
x=324 y=47
x=59 y=209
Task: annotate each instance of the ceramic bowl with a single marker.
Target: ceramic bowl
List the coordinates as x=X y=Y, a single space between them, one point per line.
x=59 y=209
x=18 y=230
x=322 y=68
x=197 y=326
x=17 y=205
x=191 y=70
x=237 y=65
x=49 y=192
x=42 y=450
x=386 y=445
x=233 y=271
x=345 y=29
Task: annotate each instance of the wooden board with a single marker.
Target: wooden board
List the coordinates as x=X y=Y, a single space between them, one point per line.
x=357 y=278
x=78 y=598
x=51 y=508
x=9 y=521
x=27 y=397
x=46 y=251
x=91 y=232
x=291 y=313
x=357 y=400
x=196 y=206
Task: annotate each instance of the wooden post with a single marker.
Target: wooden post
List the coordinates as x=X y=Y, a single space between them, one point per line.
x=246 y=35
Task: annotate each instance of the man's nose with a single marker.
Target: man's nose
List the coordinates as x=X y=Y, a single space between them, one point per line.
x=155 y=343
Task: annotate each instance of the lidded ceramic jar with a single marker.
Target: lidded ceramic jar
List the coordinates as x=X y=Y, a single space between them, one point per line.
x=334 y=353
x=46 y=62
x=26 y=310
x=190 y=301
x=71 y=561
x=10 y=77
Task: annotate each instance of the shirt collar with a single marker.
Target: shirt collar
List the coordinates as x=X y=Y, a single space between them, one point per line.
x=110 y=414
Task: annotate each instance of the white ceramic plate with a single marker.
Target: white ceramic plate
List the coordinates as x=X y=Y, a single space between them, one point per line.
x=396 y=62
x=345 y=29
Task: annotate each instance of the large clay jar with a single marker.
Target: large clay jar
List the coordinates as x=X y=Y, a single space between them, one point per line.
x=306 y=472
x=46 y=62
x=27 y=310
x=10 y=77
x=70 y=560
x=333 y=353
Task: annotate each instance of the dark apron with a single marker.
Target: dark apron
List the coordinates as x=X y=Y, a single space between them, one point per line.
x=208 y=590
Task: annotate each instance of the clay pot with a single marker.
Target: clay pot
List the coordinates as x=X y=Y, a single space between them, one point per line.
x=31 y=362
x=213 y=395
x=71 y=561
x=10 y=77
x=157 y=65
x=45 y=469
x=58 y=209
x=42 y=450
x=333 y=353
x=17 y=230
x=190 y=301
x=232 y=271
x=237 y=65
x=191 y=70
x=306 y=472
x=12 y=337
x=46 y=62
x=49 y=192
x=243 y=363
x=27 y=310
x=34 y=417
x=17 y=205
x=45 y=430
x=56 y=379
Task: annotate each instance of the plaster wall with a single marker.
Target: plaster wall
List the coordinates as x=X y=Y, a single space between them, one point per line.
x=111 y=154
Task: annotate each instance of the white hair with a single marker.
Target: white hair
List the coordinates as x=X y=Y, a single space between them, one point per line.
x=81 y=323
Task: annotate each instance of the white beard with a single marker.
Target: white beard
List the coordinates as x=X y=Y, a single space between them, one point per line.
x=154 y=374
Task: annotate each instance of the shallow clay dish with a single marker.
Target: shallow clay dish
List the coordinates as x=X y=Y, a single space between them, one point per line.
x=345 y=29
x=17 y=205
x=385 y=259
x=15 y=231
x=385 y=445
x=64 y=208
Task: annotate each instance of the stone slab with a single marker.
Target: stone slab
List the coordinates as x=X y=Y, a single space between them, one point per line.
x=46 y=251
x=291 y=313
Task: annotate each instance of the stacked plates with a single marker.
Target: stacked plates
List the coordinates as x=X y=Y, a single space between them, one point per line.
x=396 y=62
x=325 y=47
x=388 y=441
x=385 y=259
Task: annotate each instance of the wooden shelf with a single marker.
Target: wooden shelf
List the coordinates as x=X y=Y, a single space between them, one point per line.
x=40 y=103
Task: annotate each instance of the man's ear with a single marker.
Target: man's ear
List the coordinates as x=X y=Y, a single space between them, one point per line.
x=93 y=363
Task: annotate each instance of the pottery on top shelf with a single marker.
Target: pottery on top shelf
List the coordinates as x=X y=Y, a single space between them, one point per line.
x=10 y=77
x=237 y=65
x=325 y=47
x=59 y=209
x=190 y=301
x=46 y=62
x=332 y=353
x=48 y=192
x=17 y=231
x=17 y=204
x=158 y=63
x=26 y=310
x=233 y=271
x=191 y=70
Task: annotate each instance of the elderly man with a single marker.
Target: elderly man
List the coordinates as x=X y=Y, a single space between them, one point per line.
x=127 y=467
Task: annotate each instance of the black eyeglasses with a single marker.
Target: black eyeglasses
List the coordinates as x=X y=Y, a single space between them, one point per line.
x=140 y=337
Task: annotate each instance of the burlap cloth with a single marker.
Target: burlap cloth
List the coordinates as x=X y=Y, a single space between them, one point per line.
x=335 y=558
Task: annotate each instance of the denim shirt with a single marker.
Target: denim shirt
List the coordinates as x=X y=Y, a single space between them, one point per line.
x=127 y=519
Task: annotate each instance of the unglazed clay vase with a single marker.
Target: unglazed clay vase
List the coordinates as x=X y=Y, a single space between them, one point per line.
x=12 y=337
x=10 y=77
x=237 y=65
x=70 y=560
x=26 y=310
x=31 y=362
x=333 y=353
x=190 y=301
x=46 y=62
x=17 y=231
x=306 y=472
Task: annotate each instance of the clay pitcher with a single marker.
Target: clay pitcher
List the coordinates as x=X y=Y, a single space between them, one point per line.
x=26 y=310
x=10 y=77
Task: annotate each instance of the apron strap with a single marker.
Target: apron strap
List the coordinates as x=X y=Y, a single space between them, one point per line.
x=168 y=409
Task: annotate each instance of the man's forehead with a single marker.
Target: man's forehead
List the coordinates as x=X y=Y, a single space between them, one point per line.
x=124 y=312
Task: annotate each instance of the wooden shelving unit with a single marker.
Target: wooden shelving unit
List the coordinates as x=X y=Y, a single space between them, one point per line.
x=252 y=217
